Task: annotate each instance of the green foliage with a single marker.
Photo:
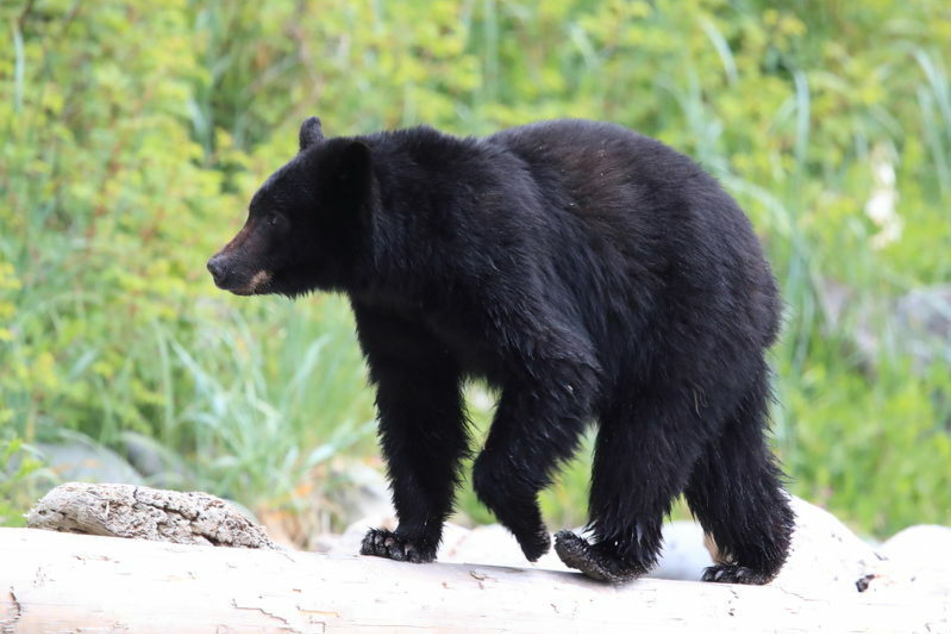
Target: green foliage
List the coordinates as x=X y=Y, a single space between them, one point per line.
x=132 y=135
x=19 y=471
x=270 y=399
x=112 y=208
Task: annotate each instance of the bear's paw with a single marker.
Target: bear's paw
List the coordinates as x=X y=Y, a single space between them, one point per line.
x=379 y=542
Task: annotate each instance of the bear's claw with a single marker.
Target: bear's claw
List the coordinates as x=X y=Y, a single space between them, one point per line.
x=732 y=573
x=379 y=542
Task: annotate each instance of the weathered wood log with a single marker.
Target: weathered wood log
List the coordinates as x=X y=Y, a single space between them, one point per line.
x=61 y=582
x=126 y=510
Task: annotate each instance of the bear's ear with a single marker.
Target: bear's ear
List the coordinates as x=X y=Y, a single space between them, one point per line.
x=310 y=133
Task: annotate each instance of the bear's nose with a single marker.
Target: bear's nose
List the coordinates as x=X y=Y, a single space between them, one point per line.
x=217 y=269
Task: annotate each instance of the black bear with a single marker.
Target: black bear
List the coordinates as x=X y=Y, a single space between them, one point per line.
x=586 y=272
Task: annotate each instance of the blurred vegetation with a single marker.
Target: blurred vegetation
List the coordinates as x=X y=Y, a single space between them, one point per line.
x=133 y=135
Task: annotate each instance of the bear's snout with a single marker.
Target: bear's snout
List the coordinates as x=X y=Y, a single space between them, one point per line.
x=219 y=270
x=232 y=274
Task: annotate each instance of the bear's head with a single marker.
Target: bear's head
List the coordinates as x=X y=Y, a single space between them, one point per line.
x=307 y=225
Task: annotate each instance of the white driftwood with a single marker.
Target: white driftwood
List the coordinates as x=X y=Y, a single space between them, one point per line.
x=126 y=510
x=61 y=582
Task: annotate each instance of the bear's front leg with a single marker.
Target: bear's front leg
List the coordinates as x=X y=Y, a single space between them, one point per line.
x=423 y=439
x=422 y=433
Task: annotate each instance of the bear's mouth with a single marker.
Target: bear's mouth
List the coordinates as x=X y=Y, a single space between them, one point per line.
x=256 y=285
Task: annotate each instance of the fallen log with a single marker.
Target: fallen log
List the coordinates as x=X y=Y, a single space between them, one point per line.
x=61 y=582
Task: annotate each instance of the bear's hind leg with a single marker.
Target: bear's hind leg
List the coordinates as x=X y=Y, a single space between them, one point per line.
x=736 y=492
x=642 y=461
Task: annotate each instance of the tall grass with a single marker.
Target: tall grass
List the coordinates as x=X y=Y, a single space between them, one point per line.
x=270 y=399
x=120 y=179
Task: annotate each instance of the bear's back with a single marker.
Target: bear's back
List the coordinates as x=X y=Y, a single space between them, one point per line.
x=606 y=169
x=612 y=230
x=650 y=221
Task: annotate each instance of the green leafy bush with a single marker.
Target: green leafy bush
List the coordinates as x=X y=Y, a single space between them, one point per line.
x=113 y=206
x=134 y=133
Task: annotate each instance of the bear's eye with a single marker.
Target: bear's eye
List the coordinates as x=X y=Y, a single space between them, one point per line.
x=272 y=218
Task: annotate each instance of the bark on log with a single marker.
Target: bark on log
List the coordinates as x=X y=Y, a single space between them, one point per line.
x=61 y=582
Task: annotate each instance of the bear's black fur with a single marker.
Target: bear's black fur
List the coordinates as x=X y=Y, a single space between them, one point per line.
x=589 y=274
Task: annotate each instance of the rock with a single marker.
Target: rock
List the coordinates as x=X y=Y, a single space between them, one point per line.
x=364 y=492
x=125 y=510
x=852 y=316
x=924 y=546
x=160 y=466
x=924 y=325
x=918 y=561
x=826 y=556
x=916 y=324
x=684 y=556
x=79 y=458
